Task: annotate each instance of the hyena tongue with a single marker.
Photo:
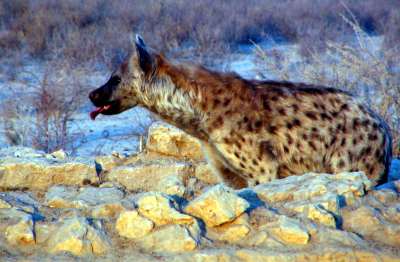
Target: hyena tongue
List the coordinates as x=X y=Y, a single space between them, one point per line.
x=98 y=110
x=95 y=113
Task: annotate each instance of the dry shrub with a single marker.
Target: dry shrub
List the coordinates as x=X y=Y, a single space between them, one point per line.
x=39 y=109
x=83 y=31
x=373 y=75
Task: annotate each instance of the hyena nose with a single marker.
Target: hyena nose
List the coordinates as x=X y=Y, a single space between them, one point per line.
x=93 y=96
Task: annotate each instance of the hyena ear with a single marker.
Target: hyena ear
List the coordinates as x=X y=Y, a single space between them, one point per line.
x=145 y=59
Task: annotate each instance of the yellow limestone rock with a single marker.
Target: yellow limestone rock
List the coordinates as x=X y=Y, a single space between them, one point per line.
x=4 y=204
x=321 y=216
x=172 y=185
x=83 y=197
x=290 y=231
x=59 y=154
x=371 y=224
x=107 y=210
x=76 y=236
x=171 y=141
x=217 y=205
x=40 y=175
x=131 y=225
x=231 y=232
x=141 y=176
x=171 y=239
x=21 y=233
x=160 y=208
x=204 y=173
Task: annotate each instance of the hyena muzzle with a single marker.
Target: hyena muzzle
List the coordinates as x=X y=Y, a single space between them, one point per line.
x=252 y=131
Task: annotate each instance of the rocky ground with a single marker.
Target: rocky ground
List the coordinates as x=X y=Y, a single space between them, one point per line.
x=164 y=204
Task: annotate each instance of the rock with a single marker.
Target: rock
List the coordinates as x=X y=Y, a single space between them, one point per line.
x=329 y=201
x=320 y=215
x=204 y=173
x=70 y=197
x=331 y=237
x=171 y=141
x=312 y=186
x=43 y=231
x=393 y=213
x=41 y=173
x=96 y=196
x=359 y=179
x=19 y=200
x=257 y=239
x=208 y=255
x=319 y=254
x=172 y=185
x=112 y=184
x=63 y=197
x=302 y=193
x=145 y=176
x=107 y=210
x=78 y=237
x=14 y=214
x=292 y=219
x=107 y=163
x=385 y=195
x=21 y=233
x=369 y=223
x=4 y=204
x=397 y=185
x=290 y=231
x=217 y=205
x=161 y=209
x=59 y=154
x=231 y=232
x=171 y=239
x=131 y=225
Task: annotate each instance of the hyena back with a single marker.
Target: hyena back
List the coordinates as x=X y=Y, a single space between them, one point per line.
x=252 y=131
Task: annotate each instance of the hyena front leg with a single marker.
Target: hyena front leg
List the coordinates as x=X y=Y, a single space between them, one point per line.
x=228 y=176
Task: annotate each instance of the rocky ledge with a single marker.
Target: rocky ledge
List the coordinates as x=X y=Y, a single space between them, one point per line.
x=164 y=204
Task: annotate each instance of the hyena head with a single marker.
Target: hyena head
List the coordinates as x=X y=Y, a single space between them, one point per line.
x=122 y=90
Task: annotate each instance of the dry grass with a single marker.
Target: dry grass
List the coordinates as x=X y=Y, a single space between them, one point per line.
x=373 y=75
x=98 y=30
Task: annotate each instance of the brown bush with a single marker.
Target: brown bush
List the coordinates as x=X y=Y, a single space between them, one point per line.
x=99 y=30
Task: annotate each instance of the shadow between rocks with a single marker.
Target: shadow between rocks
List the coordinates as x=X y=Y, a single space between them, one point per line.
x=252 y=198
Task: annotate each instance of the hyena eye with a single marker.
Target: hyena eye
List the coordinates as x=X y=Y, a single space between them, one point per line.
x=115 y=80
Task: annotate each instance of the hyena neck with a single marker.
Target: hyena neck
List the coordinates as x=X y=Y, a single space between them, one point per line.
x=163 y=95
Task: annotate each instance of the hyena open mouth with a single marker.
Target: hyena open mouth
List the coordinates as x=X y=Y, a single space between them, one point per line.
x=104 y=99
x=98 y=110
x=108 y=109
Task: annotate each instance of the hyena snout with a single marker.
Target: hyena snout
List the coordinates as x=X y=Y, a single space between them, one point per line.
x=100 y=96
x=105 y=104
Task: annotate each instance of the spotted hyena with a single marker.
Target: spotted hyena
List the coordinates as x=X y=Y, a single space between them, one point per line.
x=252 y=131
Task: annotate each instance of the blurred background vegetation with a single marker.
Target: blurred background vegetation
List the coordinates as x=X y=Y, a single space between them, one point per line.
x=87 y=30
